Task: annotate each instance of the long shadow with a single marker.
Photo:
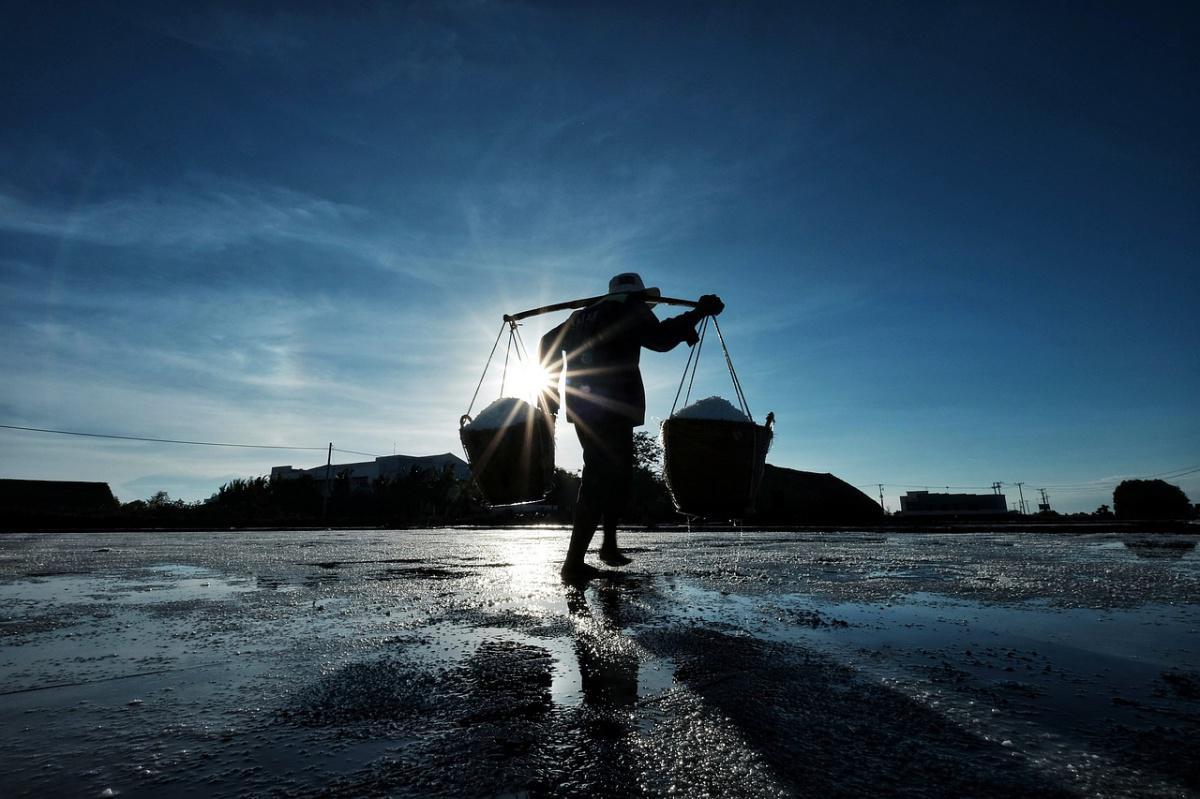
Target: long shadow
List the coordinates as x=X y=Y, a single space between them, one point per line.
x=488 y=726
x=1147 y=741
x=825 y=732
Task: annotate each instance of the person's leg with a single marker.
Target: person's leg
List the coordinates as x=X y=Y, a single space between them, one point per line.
x=581 y=536
x=593 y=493
x=609 y=542
x=621 y=439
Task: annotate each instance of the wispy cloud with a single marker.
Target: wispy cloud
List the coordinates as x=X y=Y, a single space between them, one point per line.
x=202 y=214
x=210 y=215
x=407 y=43
x=234 y=30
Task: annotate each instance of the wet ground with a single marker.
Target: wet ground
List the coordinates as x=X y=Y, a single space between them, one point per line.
x=455 y=663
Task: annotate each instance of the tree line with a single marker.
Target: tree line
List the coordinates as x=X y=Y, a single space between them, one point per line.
x=432 y=498
x=425 y=497
x=422 y=497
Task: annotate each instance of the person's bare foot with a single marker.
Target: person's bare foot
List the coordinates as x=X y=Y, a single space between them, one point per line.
x=579 y=572
x=614 y=557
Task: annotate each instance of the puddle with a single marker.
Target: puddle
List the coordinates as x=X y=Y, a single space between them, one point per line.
x=1154 y=634
x=170 y=583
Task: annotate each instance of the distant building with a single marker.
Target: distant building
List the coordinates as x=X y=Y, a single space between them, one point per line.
x=364 y=473
x=55 y=496
x=923 y=503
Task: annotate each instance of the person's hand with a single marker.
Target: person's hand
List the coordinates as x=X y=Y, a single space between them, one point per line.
x=710 y=305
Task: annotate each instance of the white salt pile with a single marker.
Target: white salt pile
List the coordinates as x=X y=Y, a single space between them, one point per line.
x=503 y=412
x=713 y=408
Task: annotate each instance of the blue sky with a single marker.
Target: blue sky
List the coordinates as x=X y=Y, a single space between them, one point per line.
x=958 y=242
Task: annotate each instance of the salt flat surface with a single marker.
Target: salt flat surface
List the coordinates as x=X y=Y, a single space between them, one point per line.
x=456 y=663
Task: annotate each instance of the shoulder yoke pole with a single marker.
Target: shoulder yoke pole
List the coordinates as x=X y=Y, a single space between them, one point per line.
x=572 y=305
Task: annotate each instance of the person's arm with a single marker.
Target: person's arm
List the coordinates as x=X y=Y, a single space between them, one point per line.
x=665 y=335
x=550 y=355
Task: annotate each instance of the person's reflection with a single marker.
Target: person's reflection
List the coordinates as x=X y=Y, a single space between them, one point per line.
x=608 y=664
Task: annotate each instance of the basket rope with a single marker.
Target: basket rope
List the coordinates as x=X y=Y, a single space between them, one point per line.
x=486 y=364
x=693 y=363
x=507 y=353
x=699 y=346
x=515 y=343
x=522 y=351
x=737 y=384
x=686 y=366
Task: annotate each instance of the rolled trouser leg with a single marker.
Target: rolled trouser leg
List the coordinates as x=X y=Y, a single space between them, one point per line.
x=593 y=493
x=610 y=532
x=618 y=459
x=620 y=482
x=581 y=532
x=604 y=490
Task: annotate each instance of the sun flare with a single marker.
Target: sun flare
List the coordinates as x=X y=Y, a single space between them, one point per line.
x=528 y=380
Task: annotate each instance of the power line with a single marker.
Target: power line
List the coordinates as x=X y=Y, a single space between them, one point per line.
x=161 y=440
x=1172 y=475
x=921 y=487
x=356 y=452
x=1094 y=485
x=1113 y=482
x=1084 y=490
x=180 y=441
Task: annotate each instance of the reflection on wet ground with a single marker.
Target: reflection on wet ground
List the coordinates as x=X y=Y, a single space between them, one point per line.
x=455 y=663
x=1151 y=548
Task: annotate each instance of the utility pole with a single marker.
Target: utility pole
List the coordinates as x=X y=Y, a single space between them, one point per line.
x=1045 y=506
x=328 y=487
x=996 y=488
x=881 y=505
x=1022 y=493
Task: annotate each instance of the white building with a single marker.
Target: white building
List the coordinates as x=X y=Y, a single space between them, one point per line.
x=923 y=503
x=364 y=473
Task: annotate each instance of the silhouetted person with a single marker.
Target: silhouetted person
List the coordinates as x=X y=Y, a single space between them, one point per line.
x=599 y=348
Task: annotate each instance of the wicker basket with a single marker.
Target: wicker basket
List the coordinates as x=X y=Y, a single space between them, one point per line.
x=512 y=464
x=714 y=467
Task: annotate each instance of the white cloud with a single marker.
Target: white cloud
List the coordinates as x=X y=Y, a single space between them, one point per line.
x=200 y=214
x=208 y=215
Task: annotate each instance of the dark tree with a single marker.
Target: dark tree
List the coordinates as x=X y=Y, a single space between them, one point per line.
x=649 y=501
x=162 y=501
x=1150 y=499
x=564 y=494
x=262 y=500
x=647 y=452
